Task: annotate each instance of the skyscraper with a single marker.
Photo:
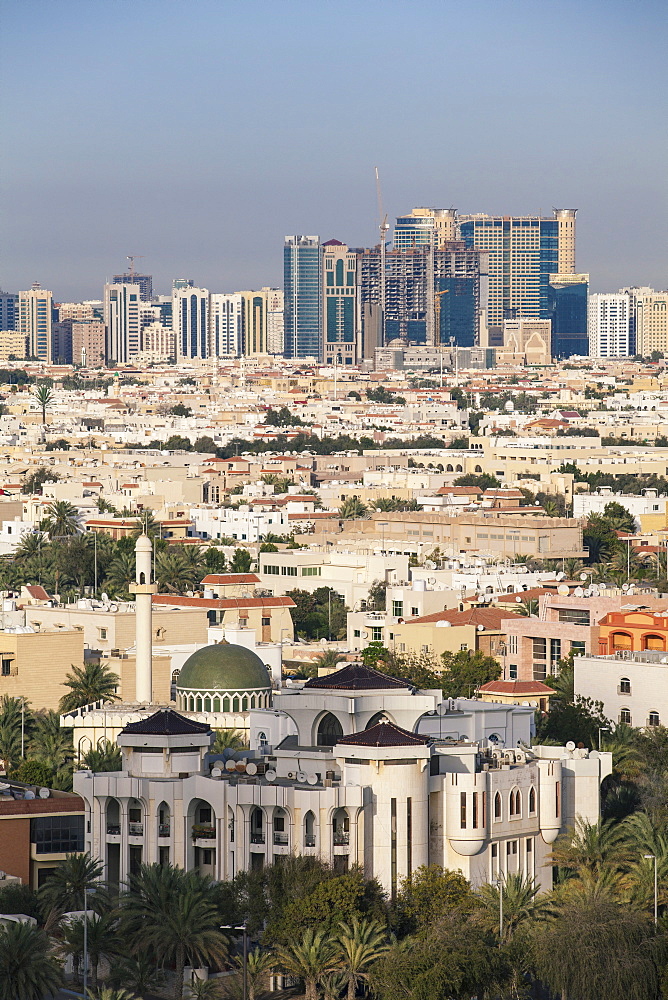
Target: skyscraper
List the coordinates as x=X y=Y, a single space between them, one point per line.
x=302 y=273
x=608 y=325
x=568 y=312
x=190 y=322
x=275 y=331
x=145 y=282
x=35 y=321
x=648 y=320
x=9 y=307
x=425 y=227
x=122 y=304
x=339 y=303
x=225 y=324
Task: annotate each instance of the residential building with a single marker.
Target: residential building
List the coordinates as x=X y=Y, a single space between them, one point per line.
x=226 y=324
x=9 y=310
x=34 y=663
x=339 y=304
x=158 y=343
x=39 y=827
x=267 y=617
x=122 y=321
x=190 y=322
x=451 y=631
x=356 y=768
x=608 y=325
x=523 y=252
x=61 y=342
x=12 y=345
x=568 y=295
x=275 y=325
x=145 y=282
x=302 y=288
x=649 y=311
x=35 y=317
x=526 y=342
x=254 y=316
x=632 y=685
x=425 y=227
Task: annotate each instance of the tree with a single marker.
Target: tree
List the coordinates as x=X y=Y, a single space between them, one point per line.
x=205 y=445
x=521 y=904
x=105 y=757
x=138 y=972
x=428 y=894
x=258 y=965
x=62 y=518
x=90 y=683
x=215 y=561
x=483 y=480
x=64 y=889
x=27 y=970
x=599 y=539
x=173 y=912
x=465 y=671
x=382 y=395
x=310 y=959
x=360 y=944
x=121 y=573
x=43 y=393
x=320 y=614
x=228 y=739
x=590 y=847
x=579 y=721
x=102 y=940
x=50 y=744
x=336 y=899
x=34 y=482
x=15 y=715
x=352 y=507
x=241 y=561
x=619 y=518
x=376 y=599
x=180 y=410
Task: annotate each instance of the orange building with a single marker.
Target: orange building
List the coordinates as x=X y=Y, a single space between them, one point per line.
x=633 y=630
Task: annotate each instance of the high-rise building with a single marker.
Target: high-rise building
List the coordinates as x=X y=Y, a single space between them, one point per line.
x=88 y=343
x=568 y=312
x=275 y=332
x=648 y=320
x=61 y=341
x=608 y=325
x=225 y=325
x=339 y=298
x=425 y=227
x=523 y=252
x=122 y=304
x=525 y=342
x=9 y=308
x=157 y=343
x=12 y=346
x=35 y=319
x=302 y=273
x=81 y=312
x=190 y=321
x=145 y=282
x=253 y=322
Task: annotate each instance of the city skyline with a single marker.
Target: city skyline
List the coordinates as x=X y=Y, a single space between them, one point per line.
x=200 y=142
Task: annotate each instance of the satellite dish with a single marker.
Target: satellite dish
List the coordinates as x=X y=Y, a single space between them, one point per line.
x=602 y=586
x=570 y=746
x=230 y=765
x=561 y=576
x=595 y=754
x=216 y=772
x=625 y=586
x=29 y=794
x=240 y=766
x=563 y=590
x=583 y=576
x=578 y=592
x=270 y=775
x=301 y=776
x=587 y=592
x=481 y=628
x=312 y=778
x=518 y=600
x=251 y=767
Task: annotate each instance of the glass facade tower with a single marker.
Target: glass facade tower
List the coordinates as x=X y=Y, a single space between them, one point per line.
x=302 y=273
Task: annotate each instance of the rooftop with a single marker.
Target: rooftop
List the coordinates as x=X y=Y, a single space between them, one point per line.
x=385 y=734
x=356 y=677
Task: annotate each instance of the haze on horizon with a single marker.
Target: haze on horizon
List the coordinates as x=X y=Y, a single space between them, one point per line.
x=199 y=134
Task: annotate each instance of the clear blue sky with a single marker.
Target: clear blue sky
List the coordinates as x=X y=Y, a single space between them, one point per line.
x=200 y=133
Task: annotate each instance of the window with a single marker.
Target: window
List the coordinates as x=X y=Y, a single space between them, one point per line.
x=625 y=686
x=532 y=801
x=288 y=571
x=539 y=649
x=57 y=834
x=462 y=810
x=357 y=633
x=266 y=621
x=557 y=799
x=273 y=570
x=513 y=671
x=397 y=609
x=103 y=633
x=574 y=616
x=6 y=666
x=625 y=716
x=555 y=650
x=512 y=645
x=578 y=648
x=653 y=719
x=415 y=612
x=310 y=570
x=376 y=633
x=497 y=807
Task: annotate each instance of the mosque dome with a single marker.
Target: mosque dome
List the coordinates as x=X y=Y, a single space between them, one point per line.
x=223 y=677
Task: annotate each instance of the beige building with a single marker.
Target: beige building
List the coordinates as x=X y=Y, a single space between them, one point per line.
x=525 y=342
x=339 y=304
x=254 y=321
x=12 y=345
x=651 y=319
x=34 y=665
x=88 y=343
x=35 y=321
x=158 y=343
x=451 y=631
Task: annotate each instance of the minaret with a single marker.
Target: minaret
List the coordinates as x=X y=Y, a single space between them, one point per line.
x=143 y=590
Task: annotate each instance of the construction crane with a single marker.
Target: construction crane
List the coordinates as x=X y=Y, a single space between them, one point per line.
x=383 y=228
x=437 y=310
x=132 y=257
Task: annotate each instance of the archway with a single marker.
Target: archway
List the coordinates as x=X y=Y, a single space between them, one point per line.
x=329 y=731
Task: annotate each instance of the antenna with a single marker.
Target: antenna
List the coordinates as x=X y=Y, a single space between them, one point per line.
x=383 y=228
x=132 y=257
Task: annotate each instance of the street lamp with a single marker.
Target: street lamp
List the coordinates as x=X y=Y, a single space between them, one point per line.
x=86 y=890
x=244 y=931
x=602 y=729
x=499 y=883
x=656 y=888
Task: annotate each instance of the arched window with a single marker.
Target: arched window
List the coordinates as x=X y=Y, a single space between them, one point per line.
x=625 y=716
x=329 y=731
x=449 y=468
x=532 y=801
x=458 y=468
x=653 y=719
x=625 y=686
x=478 y=468
x=262 y=739
x=142 y=579
x=512 y=803
x=375 y=719
x=257 y=826
x=653 y=642
x=207 y=704
x=497 y=807
x=518 y=802
x=621 y=640
x=309 y=829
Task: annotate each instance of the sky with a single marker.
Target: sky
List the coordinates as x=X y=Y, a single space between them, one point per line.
x=198 y=133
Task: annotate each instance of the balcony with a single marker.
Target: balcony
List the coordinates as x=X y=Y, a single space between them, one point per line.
x=257 y=838
x=164 y=830
x=136 y=829
x=280 y=839
x=113 y=829
x=309 y=840
x=341 y=838
x=204 y=831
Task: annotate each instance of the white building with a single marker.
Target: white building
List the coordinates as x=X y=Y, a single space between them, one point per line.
x=608 y=325
x=122 y=305
x=356 y=768
x=190 y=322
x=225 y=325
x=594 y=503
x=244 y=524
x=633 y=686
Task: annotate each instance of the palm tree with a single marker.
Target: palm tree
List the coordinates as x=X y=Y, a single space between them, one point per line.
x=521 y=903
x=64 y=889
x=50 y=744
x=102 y=940
x=360 y=943
x=329 y=660
x=62 y=518
x=525 y=609
x=105 y=506
x=572 y=568
x=109 y=993
x=121 y=573
x=352 y=507
x=27 y=970
x=90 y=683
x=138 y=972
x=173 y=912
x=228 y=739
x=31 y=545
x=310 y=959
x=590 y=847
x=15 y=715
x=258 y=964
x=43 y=393
x=104 y=757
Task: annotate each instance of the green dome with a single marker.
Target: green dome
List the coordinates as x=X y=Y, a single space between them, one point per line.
x=223 y=667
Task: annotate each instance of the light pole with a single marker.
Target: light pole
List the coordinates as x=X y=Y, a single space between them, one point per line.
x=602 y=729
x=86 y=890
x=244 y=930
x=656 y=888
x=499 y=883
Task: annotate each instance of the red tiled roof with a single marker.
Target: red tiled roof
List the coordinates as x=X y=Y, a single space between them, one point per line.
x=38 y=593
x=489 y=618
x=384 y=734
x=356 y=677
x=226 y=579
x=224 y=602
x=517 y=688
